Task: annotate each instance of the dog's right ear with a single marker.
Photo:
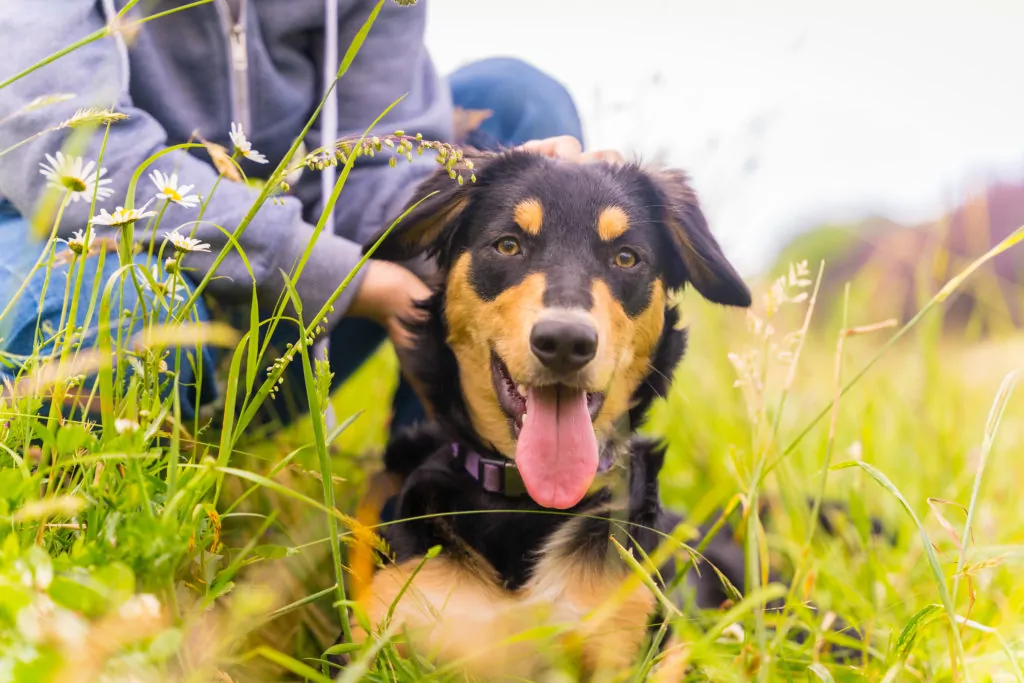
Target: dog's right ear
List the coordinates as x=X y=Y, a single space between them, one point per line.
x=699 y=260
x=429 y=223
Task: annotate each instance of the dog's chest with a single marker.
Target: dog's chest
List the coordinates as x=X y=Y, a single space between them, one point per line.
x=593 y=603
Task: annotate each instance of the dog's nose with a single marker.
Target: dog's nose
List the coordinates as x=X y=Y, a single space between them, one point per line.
x=564 y=345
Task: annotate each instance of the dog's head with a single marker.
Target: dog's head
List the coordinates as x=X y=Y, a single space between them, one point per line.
x=553 y=306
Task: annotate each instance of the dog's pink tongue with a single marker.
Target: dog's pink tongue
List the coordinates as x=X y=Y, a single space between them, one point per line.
x=557 y=450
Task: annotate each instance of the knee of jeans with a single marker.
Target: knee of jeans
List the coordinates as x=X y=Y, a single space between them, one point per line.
x=506 y=85
x=509 y=71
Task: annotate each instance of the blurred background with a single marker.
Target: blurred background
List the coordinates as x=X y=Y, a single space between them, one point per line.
x=880 y=136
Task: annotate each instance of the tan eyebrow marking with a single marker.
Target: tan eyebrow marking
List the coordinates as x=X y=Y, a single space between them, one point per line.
x=529 y=215
x=612 y=222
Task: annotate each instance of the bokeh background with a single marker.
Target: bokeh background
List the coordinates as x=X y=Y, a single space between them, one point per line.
x=860 y=132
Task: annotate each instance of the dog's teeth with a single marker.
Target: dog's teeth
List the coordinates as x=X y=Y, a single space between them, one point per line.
x=521 y=389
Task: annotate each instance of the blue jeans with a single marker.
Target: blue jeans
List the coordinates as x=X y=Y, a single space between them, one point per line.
x=526 y=105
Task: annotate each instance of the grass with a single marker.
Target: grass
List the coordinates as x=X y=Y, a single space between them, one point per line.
x=138 y=546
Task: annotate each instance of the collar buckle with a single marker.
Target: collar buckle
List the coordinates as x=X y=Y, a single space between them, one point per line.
x=495 y=475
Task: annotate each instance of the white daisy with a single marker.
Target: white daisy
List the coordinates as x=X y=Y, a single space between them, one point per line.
x=185 y=244
x=243 y=146
x=79 y=242
x=122 y=216
x=72 y=173
x=168 y=188
x=126 y=426
x=143 y=606
x=163 y=287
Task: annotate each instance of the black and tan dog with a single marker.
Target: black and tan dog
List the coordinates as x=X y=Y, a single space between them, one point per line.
x=549 y=336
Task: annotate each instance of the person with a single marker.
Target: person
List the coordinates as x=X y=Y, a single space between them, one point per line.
x=245 y=74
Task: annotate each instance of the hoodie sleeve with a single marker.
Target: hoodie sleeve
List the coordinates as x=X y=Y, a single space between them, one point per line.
x=277 y=236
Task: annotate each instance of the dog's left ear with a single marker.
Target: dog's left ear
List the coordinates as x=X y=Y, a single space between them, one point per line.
x=699 y=259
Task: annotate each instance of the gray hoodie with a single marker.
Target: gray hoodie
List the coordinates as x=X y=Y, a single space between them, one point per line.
x=258 y=62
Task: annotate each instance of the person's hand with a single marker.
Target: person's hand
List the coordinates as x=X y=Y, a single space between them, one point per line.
x=388 y=295
x=569 y=148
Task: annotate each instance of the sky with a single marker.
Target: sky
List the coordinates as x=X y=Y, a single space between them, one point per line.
x=784 y=114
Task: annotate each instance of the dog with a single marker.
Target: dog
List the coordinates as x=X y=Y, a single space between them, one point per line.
x=549 y=334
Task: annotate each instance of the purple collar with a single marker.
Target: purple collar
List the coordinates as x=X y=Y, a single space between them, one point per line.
x=500 y=475
x=496 y=475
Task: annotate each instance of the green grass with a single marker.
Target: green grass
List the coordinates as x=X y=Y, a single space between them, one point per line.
x=933 y=425
x=136 y=547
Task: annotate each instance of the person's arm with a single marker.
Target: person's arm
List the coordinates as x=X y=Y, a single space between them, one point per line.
x=276 y=237
x=393 y=63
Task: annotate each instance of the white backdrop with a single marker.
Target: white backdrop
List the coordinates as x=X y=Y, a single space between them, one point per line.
x=783 y=116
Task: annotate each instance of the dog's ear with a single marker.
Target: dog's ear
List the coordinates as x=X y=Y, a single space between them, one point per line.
x=698 y=257
x=427 y=225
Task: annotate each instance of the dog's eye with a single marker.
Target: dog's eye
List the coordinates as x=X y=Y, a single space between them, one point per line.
x=626 y=258
x=508 y=246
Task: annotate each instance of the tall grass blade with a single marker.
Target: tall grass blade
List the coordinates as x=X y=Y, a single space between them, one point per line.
x=995 y=418
x=819 y=670
x=933 y=560
x=908 y=636
x=288 y=663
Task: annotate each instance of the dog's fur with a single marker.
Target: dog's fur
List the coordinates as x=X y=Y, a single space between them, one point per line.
x=507 y=564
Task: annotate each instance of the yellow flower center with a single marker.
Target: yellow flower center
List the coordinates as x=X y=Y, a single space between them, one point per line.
x=72 y=183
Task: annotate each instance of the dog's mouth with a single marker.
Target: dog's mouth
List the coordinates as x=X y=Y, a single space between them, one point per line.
x=512 y=395
x=556 y=447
